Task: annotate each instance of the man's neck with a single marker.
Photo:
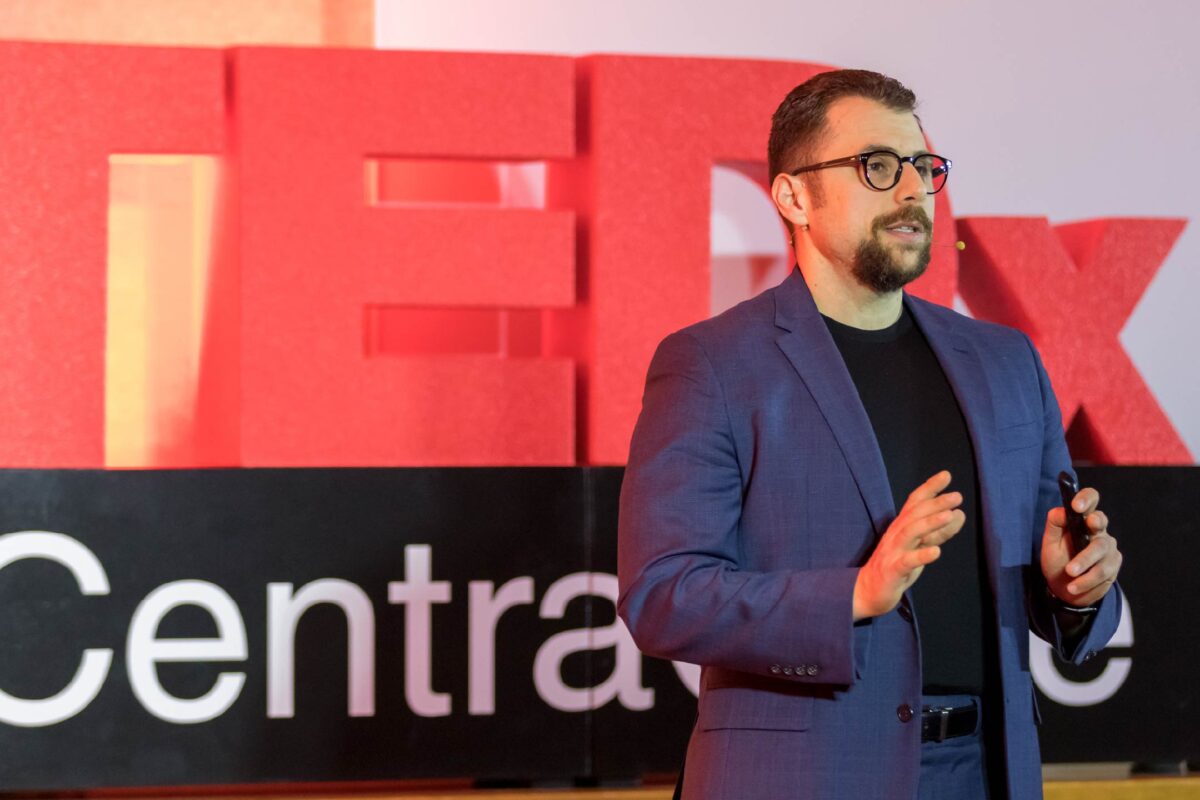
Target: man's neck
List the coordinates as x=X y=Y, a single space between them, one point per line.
x=845 y=300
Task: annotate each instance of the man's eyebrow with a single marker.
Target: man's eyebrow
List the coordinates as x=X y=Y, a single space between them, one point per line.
x=868 y=148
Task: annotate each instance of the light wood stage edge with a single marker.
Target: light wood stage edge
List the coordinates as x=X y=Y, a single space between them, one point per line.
x=1147 y=788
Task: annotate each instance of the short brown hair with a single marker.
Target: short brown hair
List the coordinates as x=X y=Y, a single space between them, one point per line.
x=799 y=122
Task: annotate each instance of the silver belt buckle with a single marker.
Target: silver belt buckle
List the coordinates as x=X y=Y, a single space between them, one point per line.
x=943 y=713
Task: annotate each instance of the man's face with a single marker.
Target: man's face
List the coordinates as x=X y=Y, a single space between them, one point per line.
x=881 y=238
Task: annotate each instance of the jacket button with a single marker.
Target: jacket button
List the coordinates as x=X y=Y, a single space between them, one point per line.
x=904 y=713
x=787 y=670
x=905 y=614
x=812 y=669
x=775 y=669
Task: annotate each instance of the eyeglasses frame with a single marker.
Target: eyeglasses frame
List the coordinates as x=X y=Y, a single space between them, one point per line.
x=862 y=158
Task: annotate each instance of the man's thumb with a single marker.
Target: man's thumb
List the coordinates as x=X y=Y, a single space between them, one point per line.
x=1056 y=521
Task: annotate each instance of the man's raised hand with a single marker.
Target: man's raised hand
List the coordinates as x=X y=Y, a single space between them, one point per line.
x=927 y=520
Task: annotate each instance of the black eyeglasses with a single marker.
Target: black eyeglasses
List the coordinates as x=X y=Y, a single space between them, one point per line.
x=882 y=168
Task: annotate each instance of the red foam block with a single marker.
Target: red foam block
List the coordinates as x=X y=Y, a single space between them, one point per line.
x=314 y=255
x=1072 y=288
x=67 y=108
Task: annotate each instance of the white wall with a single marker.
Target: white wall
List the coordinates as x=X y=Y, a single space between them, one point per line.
x=1059 y=108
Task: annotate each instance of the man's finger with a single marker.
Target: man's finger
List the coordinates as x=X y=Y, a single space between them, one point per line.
x=1093 y=596
x=932 y=487
x=1056 y=521
x=910 y=522
x=1098 y=577
x=920 y=557
x=946 y=532
x=1097 y=521
x=913 y=532
x=933 y=505
x=1096 y=550
x=1086 y=501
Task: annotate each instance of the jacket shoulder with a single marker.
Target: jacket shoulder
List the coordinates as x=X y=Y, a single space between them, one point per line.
x=988 y=334
x=748 y=321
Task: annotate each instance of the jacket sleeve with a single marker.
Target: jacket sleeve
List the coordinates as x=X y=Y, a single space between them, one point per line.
x=1073 y=636
x=683 y=593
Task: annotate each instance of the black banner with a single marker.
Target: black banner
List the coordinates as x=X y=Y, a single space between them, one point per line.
x=241 y=626
x=1137 y=700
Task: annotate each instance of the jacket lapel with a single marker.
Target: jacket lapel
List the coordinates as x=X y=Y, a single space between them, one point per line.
x=964 y=370
x=963 y=367
x=807 y=343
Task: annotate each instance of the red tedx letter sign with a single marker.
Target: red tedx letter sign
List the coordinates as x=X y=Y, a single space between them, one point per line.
x=1072 y=288
x=318 y=260
x=67 y=108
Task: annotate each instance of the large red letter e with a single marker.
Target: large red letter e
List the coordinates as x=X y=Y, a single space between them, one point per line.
x=316 y=259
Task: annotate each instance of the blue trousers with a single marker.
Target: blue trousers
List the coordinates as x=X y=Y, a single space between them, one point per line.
x=955 y=769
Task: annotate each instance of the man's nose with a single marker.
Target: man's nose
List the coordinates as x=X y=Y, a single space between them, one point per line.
x=912 y=186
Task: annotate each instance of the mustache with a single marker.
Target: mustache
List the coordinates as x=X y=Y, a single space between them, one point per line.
x=906 y=216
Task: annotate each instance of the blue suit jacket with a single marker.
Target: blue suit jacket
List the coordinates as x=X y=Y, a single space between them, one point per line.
x=755 y=489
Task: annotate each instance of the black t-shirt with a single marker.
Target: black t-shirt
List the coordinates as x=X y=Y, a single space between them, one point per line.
x=921 y=431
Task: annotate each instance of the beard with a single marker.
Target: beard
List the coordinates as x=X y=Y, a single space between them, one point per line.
x=878 y=267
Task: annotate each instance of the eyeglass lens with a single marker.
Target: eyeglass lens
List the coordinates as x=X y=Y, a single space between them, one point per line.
x=882 y=171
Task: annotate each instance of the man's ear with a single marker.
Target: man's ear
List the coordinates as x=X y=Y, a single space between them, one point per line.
x=791 y=199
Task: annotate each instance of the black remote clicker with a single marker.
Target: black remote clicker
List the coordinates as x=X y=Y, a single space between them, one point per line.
x=1077 y=528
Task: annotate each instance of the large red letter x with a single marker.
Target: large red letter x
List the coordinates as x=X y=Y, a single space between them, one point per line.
x=1071 y=288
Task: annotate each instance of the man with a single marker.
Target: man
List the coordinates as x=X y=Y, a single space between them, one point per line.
x=823 y=467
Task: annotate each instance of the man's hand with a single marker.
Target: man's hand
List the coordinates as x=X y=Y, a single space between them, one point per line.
x=1084 y=579
x=928 y=519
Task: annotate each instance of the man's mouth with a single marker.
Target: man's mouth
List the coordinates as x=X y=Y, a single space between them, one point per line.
x=907 y=231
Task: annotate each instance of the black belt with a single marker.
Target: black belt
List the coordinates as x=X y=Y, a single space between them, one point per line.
x=939 y=723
